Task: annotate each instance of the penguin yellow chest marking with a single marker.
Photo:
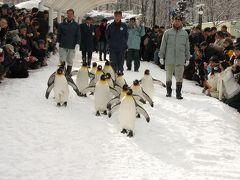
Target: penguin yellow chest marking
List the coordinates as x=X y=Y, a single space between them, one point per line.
x=147 y=85
x=127 y=113
x=82 y=79
x=61 y=90
x=101 y=95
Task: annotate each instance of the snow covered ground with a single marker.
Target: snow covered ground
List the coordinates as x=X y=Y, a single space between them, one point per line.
x=196 y=138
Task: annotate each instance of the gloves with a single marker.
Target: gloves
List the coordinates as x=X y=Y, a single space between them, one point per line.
x=161 y=61
x=187 y=63
x=77 y=46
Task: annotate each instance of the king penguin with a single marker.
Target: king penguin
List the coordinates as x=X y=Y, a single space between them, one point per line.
x=101 y=95
x=138 y=90
x=120 y=81
x=97 y=76
x=94 y=68
x=127 y=113
x=147 y=84
x=59 y=84
x=108 y=69
x=82 y=79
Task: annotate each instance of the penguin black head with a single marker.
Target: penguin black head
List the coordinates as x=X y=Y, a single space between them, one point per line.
x=99 y=68
x=108 y=76
x=136 y=82
x=94 y=64
x=129 y=92
x=119 y=73
x=125 y=87
x=60 y=71
x=103 y=77
x=147 y=72
x=107 y=63
x=84 y=64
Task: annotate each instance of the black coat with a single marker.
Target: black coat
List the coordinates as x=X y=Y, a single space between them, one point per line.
x=117 y=36
x=68 y=35
x=87 y=37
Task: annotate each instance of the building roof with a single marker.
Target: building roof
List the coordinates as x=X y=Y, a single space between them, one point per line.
x=81 y=7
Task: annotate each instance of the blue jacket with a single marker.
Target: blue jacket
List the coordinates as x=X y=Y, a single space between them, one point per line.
x=68 y=34
x=134 y=37
x=117 y=36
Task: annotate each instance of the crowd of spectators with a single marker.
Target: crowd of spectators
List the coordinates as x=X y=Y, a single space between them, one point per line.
x=24 y=41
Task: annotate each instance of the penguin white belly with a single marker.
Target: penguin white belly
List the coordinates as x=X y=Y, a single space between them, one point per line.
x=137 y=91
x=61 y=90
x=120 y=82
x=82 y=80
x=97 y=77
x=127 y=113
x=148 y=88
x=101 y=96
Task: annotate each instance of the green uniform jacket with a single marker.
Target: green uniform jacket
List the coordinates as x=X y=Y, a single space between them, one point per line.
x=175 y=47
x=134 y=37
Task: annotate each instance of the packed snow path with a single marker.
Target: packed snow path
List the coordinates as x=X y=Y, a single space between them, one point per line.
x=196 y=138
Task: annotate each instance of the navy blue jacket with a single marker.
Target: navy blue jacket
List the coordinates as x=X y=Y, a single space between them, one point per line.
x=117 y=36
x=87 y=37
x=68 y=34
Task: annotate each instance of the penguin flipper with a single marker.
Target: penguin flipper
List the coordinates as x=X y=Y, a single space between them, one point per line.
x=51 y=79
x=74 y=73
x=142 y=111
x=91 y=75
x=114 y=100
x=117 y=87
x=73 y=85
x=92 y=81
x=49 y=89
x=88 y=89
x=113 y=109
x=139 y=98
x=114 y=91
x=156 y=81
x=147 y=98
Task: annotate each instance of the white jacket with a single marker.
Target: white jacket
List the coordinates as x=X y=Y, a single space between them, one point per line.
x=213 y=82
x=230 y=87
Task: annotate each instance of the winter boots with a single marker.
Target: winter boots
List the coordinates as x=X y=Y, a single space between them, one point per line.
x=169 y=88
x=178 y=90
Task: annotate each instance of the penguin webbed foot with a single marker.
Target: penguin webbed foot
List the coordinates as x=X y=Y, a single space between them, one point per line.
x=152 y=105
x=92 y=93
x=138 y=115
x=109 y=114
x=98 y=113
x=58 y=105
x=105 y=112
x=65 y=104
x=83 y=95
x=124 y=131
x=130 y=134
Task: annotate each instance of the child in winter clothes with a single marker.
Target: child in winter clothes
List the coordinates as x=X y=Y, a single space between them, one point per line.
x=228 y=50
x=39 y=52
